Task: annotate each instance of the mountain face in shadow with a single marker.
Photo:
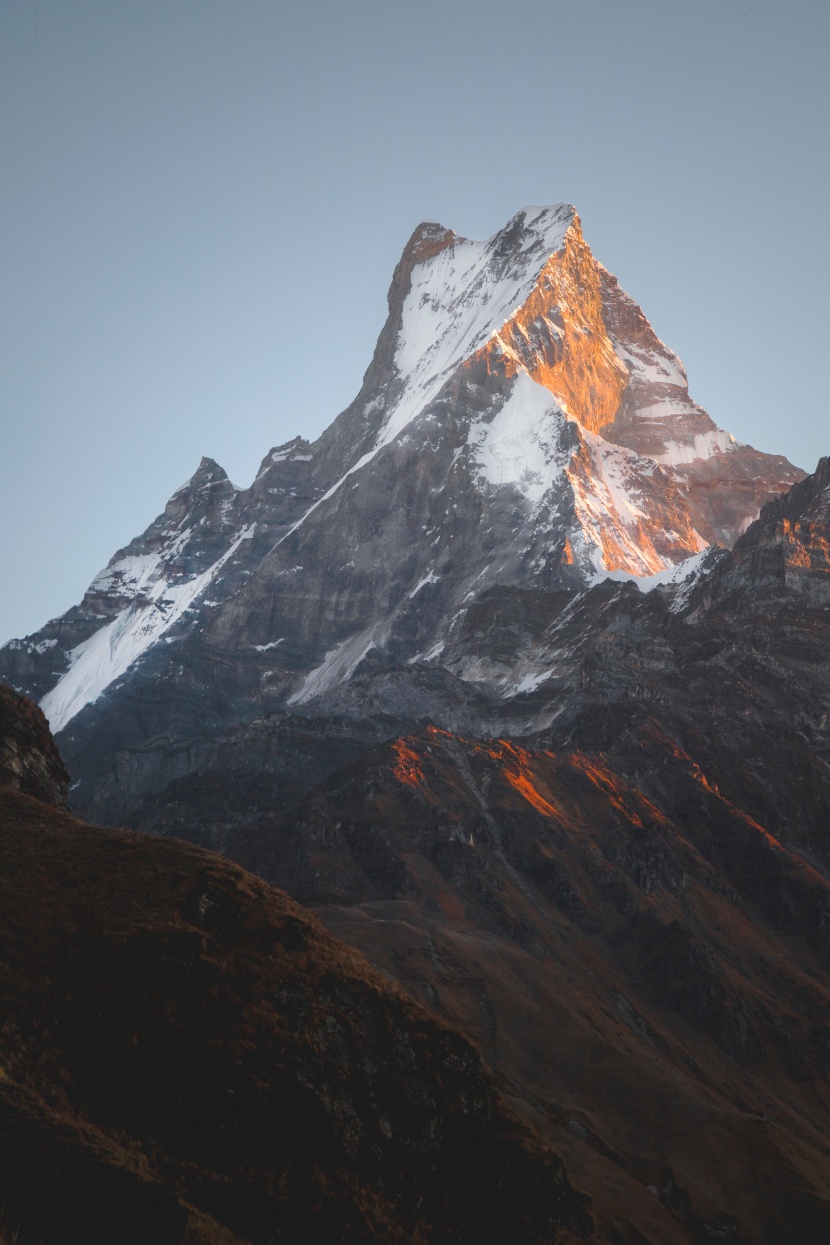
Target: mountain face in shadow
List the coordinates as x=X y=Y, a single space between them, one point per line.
x=186 y=1055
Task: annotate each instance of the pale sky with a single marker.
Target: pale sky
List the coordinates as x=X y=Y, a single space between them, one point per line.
x=203 y=202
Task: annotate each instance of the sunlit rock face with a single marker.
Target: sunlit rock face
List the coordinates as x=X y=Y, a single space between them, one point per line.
x=520 y=426
x=783 y=560
x=723 y=482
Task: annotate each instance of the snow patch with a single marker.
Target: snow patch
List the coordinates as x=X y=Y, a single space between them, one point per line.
x=529 y=683
x=649 y=367
x=704 y=445
x=338 y=665
x=429 y=578
x=520 y=445
x=459 y=299
x=109 y=653
x=616 y=469
x=671 y=576
x=606 y=504
x=137 y=574
x=429 y=655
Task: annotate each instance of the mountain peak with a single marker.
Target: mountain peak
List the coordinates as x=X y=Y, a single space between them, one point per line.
x=208 y=472
x=543 y=222
x=520 y=426
x=427 y=240
x=533 y=229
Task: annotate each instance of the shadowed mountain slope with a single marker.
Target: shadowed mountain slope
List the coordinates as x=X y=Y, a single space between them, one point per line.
x=645 y=966
x=187 y=1056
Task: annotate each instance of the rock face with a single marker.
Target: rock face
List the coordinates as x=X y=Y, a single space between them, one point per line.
x=520 y=425
x=29 y=760
x=784 y=558
x=187 y=1056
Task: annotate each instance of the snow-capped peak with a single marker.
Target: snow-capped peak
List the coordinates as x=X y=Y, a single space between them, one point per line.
x=520 y=425
x=460 y=297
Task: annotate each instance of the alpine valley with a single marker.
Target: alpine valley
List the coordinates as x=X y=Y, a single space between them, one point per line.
x=519 y=676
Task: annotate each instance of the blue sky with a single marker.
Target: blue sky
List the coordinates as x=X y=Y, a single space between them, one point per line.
x=204 y=201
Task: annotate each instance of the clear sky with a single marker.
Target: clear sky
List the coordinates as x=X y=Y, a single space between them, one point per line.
x=203 y=202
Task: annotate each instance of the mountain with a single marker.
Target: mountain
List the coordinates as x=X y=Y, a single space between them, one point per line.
x=187 y=1056
x=520 y=677
x=627 y=908
x=520 y=426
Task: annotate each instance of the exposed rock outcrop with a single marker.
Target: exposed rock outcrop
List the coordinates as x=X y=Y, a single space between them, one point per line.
x=29 y=760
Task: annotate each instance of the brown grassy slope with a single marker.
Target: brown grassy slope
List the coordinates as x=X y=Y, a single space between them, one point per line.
x=187 y=1056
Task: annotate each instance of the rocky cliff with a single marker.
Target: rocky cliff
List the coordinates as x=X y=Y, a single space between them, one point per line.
x=29 y=760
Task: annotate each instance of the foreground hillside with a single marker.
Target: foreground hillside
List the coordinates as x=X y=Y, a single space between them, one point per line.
x=186 y=1056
